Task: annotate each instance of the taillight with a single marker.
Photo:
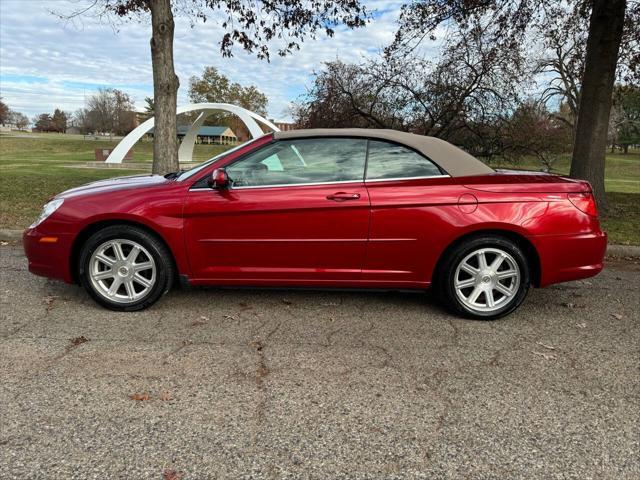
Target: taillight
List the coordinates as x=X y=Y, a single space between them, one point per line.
x=585 y=202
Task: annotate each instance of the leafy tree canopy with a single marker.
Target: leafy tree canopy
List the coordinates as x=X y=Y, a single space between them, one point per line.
x=4 y=113
x=255 y=24
x=510 y=24
x=625 y=116
x=215 y=87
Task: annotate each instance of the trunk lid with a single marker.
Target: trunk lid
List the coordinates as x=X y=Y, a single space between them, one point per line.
x=520 y=181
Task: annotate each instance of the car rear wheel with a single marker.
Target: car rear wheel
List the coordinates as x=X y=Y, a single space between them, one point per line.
x=125 y=268
x=485 y=278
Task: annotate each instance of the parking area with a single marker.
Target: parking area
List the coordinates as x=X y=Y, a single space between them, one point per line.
x=214 y=383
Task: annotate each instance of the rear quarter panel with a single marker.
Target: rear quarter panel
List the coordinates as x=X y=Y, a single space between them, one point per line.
x=570 y=244
x=413 y=223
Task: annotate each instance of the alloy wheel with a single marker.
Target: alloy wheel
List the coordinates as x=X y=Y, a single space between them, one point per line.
x=122 y=271
x=486 y=280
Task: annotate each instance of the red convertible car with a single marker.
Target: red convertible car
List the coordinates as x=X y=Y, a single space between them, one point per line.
x=350 y=208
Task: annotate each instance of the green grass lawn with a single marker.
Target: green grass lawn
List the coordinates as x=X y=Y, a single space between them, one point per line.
x=18 y=148
x=36 y=166
x=622 y=172
x=622 y=220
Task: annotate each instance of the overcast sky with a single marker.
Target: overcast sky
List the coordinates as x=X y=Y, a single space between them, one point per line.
x=46 y=63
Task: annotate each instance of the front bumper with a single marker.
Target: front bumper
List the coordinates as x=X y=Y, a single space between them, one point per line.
x=48 y=255
x=565 y=258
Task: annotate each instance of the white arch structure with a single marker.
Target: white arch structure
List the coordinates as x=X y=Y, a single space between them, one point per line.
x=185 y=152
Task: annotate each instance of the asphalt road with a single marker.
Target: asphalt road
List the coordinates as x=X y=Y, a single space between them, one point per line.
x=277 y=384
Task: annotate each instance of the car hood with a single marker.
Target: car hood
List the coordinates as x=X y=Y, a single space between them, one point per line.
x=113 y=184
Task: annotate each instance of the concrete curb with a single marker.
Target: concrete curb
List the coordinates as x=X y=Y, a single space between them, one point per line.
x=623 y=250
x=10 y=235
x=612 y=250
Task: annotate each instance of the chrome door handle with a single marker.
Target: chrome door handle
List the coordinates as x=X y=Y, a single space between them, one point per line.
x=343 y=196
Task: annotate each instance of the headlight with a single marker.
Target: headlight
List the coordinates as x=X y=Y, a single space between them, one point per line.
x=47 y=210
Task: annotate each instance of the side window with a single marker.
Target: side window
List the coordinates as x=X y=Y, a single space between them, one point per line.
x=389 y=160
x=312 y=160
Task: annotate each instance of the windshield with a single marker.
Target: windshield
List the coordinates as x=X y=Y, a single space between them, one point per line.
x=191 y=172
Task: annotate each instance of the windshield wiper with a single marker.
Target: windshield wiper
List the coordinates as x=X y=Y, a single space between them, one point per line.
x=173 y=175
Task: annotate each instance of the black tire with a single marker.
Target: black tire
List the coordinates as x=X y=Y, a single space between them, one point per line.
x=164 y=266
x=446 y=277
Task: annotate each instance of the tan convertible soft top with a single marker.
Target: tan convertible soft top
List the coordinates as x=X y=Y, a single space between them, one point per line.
x=451 y=159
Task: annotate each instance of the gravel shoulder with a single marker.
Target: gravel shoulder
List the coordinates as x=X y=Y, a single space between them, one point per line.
x=214 y=383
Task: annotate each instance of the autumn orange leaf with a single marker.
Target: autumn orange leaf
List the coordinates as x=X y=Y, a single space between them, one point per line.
x=171 y=475
x=139 y=397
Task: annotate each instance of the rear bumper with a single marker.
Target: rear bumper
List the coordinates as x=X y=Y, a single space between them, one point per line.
x=48 y=258
x=570 y=257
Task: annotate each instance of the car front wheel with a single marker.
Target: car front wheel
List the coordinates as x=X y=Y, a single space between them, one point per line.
x=485 y=278
x=125 y=268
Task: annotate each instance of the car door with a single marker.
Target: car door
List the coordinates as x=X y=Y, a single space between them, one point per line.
x=297 y=211
x=413 y=204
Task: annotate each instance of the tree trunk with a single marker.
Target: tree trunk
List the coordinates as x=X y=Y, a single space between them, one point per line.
x=605 y=35
x=165 y=88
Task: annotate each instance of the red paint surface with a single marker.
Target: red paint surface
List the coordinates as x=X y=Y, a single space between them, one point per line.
x=392 y=235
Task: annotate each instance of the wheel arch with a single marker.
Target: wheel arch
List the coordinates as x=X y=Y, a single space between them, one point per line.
x=97 y=225
x=525 y=244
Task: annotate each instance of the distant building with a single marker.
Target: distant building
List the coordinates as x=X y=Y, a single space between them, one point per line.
x=284 y=126
x=219 y=135
x=209 y=135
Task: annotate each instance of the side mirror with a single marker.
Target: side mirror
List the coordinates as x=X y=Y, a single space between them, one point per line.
x=219 y=179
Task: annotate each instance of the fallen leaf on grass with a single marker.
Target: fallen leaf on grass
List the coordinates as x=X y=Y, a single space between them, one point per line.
x=548 y=347
x=79 y=340
x=546 y=356
x=140 y=397
x=617 y=316
x=171 y=475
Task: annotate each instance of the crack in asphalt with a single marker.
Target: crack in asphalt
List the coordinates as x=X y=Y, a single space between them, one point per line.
x=330 y=335
x=456 y=331
x=184 y=344
x=48 y=301
x=261 y=373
